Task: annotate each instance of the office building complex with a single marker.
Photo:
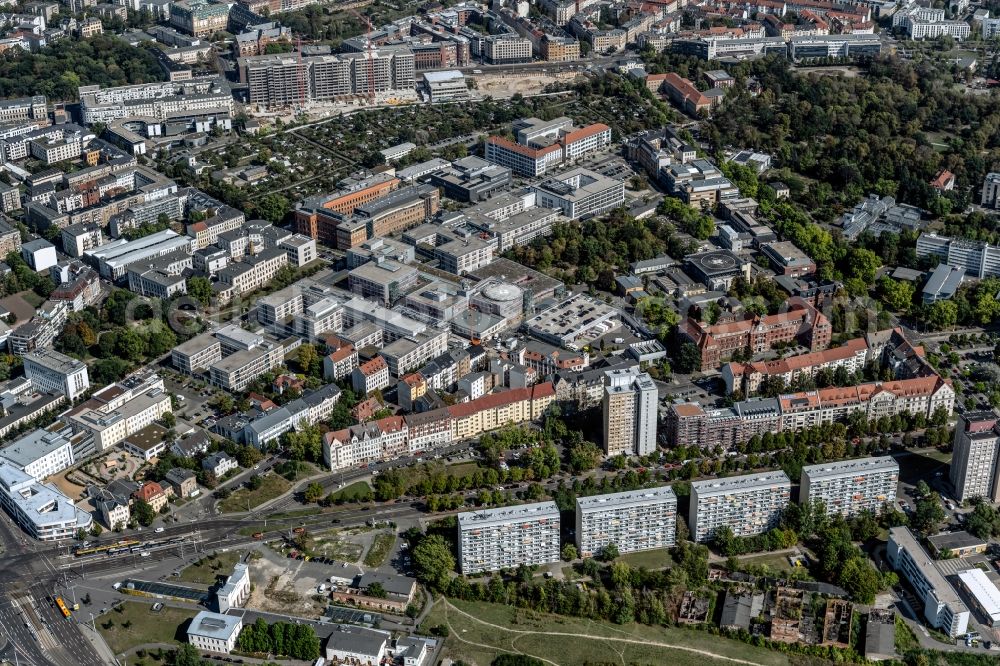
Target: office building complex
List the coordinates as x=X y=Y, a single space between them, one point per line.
x=506 y=537
x=943 y=608
x=47 y=514
x=747 y=505
x=849 y=487
x=630 y=412
x=974 y=465
x=40 y=453
x=580 y=193
x=977 y=258
x=633 y=520
x=52 y=372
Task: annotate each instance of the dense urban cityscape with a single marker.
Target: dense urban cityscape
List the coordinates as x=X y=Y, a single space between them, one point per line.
x=566 y=332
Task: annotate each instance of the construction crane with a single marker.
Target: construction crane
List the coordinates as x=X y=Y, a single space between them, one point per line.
x=369 y=54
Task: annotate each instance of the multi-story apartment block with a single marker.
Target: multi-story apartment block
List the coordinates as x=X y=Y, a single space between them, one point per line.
x=691 y=424
x=370 y=376
x=633 y=520
x=280 y=80
x=849 y=487
x=507 y=537
x=52 y=372
x=199 y=17
x=384 y=439
x=630 y=412
x=748 y=377
x=977 y=258
x=916 y=396
x=975 y=465
x=716 y=342
x=943 y=608
x=990 y=195
x=78 y=238
x=748 y=505
x=10 y=200
x=180 y=99
x=506 y=49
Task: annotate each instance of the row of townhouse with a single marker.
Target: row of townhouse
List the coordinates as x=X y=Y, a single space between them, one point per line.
x=392 y=437
x=691 y=424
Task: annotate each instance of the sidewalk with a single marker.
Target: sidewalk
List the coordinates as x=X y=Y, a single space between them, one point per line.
x=100 y=646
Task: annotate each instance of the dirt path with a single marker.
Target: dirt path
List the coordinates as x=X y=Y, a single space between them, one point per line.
x=636 y=641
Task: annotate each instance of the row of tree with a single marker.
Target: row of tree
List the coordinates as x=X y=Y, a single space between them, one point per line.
x=297 y=641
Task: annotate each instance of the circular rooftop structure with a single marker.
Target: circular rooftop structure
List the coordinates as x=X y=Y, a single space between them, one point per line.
x=502 y=292
x=715 y=262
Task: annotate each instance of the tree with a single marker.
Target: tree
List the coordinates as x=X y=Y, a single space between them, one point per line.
x=169 y=420
x=433 y=561
x=583 y=457
x=376 y=590
x=200 y=288
x=896 y=294
x=941 y=315
x=143 y=512
x=308 y=359
x=609 y=553
x=928 y=514
x=688 y=358
x=187 y=655
x=313 y=492
x=984 y=521
x=860 y=579
x=862 y=264
x=569 y=552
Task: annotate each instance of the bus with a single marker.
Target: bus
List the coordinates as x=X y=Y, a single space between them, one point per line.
x=62 y=607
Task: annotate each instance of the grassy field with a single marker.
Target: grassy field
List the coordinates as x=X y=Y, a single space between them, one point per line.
x=210 y=567
x=272 y=487
x=137 y=625
x=775 y=561
x=474 y=640
x=650 y=559
x=352 y=492
x=381 y=545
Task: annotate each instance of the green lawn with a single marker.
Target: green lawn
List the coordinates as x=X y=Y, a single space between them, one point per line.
x=272 y=486
x=773 y=560
x=475 y=641
x=352 y=492
x=650 y=559
x=381 y=545
x=138 y=625
x=209 y=568
x=31 y=298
